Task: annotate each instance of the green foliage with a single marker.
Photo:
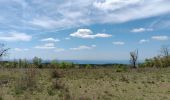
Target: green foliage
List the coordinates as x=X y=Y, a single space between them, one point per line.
x=22 y=63
x=50 y=91
x=14 y=64
x=88 y=66
x=54 y=64
x=157 y=62
x=121 y=69
x=1 y=98
x=124 y=78
x=37 y=62
x=27 y=81
x=55 y=74
x=64 y=65
x=25 y=63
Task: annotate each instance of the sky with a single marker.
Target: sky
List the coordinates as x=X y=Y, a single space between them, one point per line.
x=84 y=29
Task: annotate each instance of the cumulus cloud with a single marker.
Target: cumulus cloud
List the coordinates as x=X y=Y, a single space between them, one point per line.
x=137 y=30
x=87 y=33
x=160 y=37
x=50 y=46
x=118 y=43
x=50 y=40
x=143 y=41
x=15 y=36
x=83 y=47
x=46 y=46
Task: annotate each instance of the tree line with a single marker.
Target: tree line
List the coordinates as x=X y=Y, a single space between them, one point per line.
x=162 y=60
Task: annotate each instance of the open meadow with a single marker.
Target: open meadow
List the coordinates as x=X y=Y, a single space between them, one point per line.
x=85 y=84
x=84 y=49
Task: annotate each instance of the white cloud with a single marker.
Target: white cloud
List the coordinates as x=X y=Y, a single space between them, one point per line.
x=15 y=36
x=84 y=47
x=143 y=41
x=137 y=30
x=87 y=33
x=93 y=46
x=46 y=46
x=50 y=46
x=118 y=43
x=50 y=40
x=58 y=14
x=119 y=11
x=20 y=50
x=114 y=4
x=67 y=38
x=59 y=49
x=161 y=23
x=44 y=23
x=160 y=37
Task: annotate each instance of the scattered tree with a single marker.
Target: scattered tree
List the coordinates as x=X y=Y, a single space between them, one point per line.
x=88 y=66
x=37 y=62
x=54 y=64
x=134 y=58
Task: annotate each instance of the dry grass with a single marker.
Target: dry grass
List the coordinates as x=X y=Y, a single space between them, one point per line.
x=86 y=84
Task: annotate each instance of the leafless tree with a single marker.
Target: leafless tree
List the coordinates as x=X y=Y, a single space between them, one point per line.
x=134 y=58
x=3 y=50
x=165 y=51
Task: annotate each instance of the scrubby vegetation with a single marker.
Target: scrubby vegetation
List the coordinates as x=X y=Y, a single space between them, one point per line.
x=85 y=84
x=162 y=60
x=157 y=62
x=55 y=80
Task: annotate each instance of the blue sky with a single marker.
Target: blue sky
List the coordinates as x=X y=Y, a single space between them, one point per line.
x=84 y=29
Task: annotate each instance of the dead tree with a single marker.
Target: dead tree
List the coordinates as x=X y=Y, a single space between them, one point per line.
x=165 y=51
x=134 y=58
x=3 y=51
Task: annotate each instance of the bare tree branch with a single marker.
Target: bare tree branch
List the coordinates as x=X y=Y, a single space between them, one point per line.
x=134 y=58
x=3 y=51
x=165 y=51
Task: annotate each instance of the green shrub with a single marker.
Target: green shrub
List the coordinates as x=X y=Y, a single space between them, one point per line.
x=157 y=62
x=27 y=81
x=88 y=66
x=55 y=74
x=54 y=64
x=51 y=92
x=64 y=65
x=37 y=62
x=124 y=78
x=22 y=63
x=121 y=69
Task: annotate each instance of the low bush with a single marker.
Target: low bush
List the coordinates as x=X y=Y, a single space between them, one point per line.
x=159 y=62
x=27 y=81
x=121 y=69
x=64 y=65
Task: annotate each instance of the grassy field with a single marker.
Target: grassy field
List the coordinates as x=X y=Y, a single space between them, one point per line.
x=85 y=84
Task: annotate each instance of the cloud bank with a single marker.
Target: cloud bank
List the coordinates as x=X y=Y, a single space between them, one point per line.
x=57 y=14
x=15 y=36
